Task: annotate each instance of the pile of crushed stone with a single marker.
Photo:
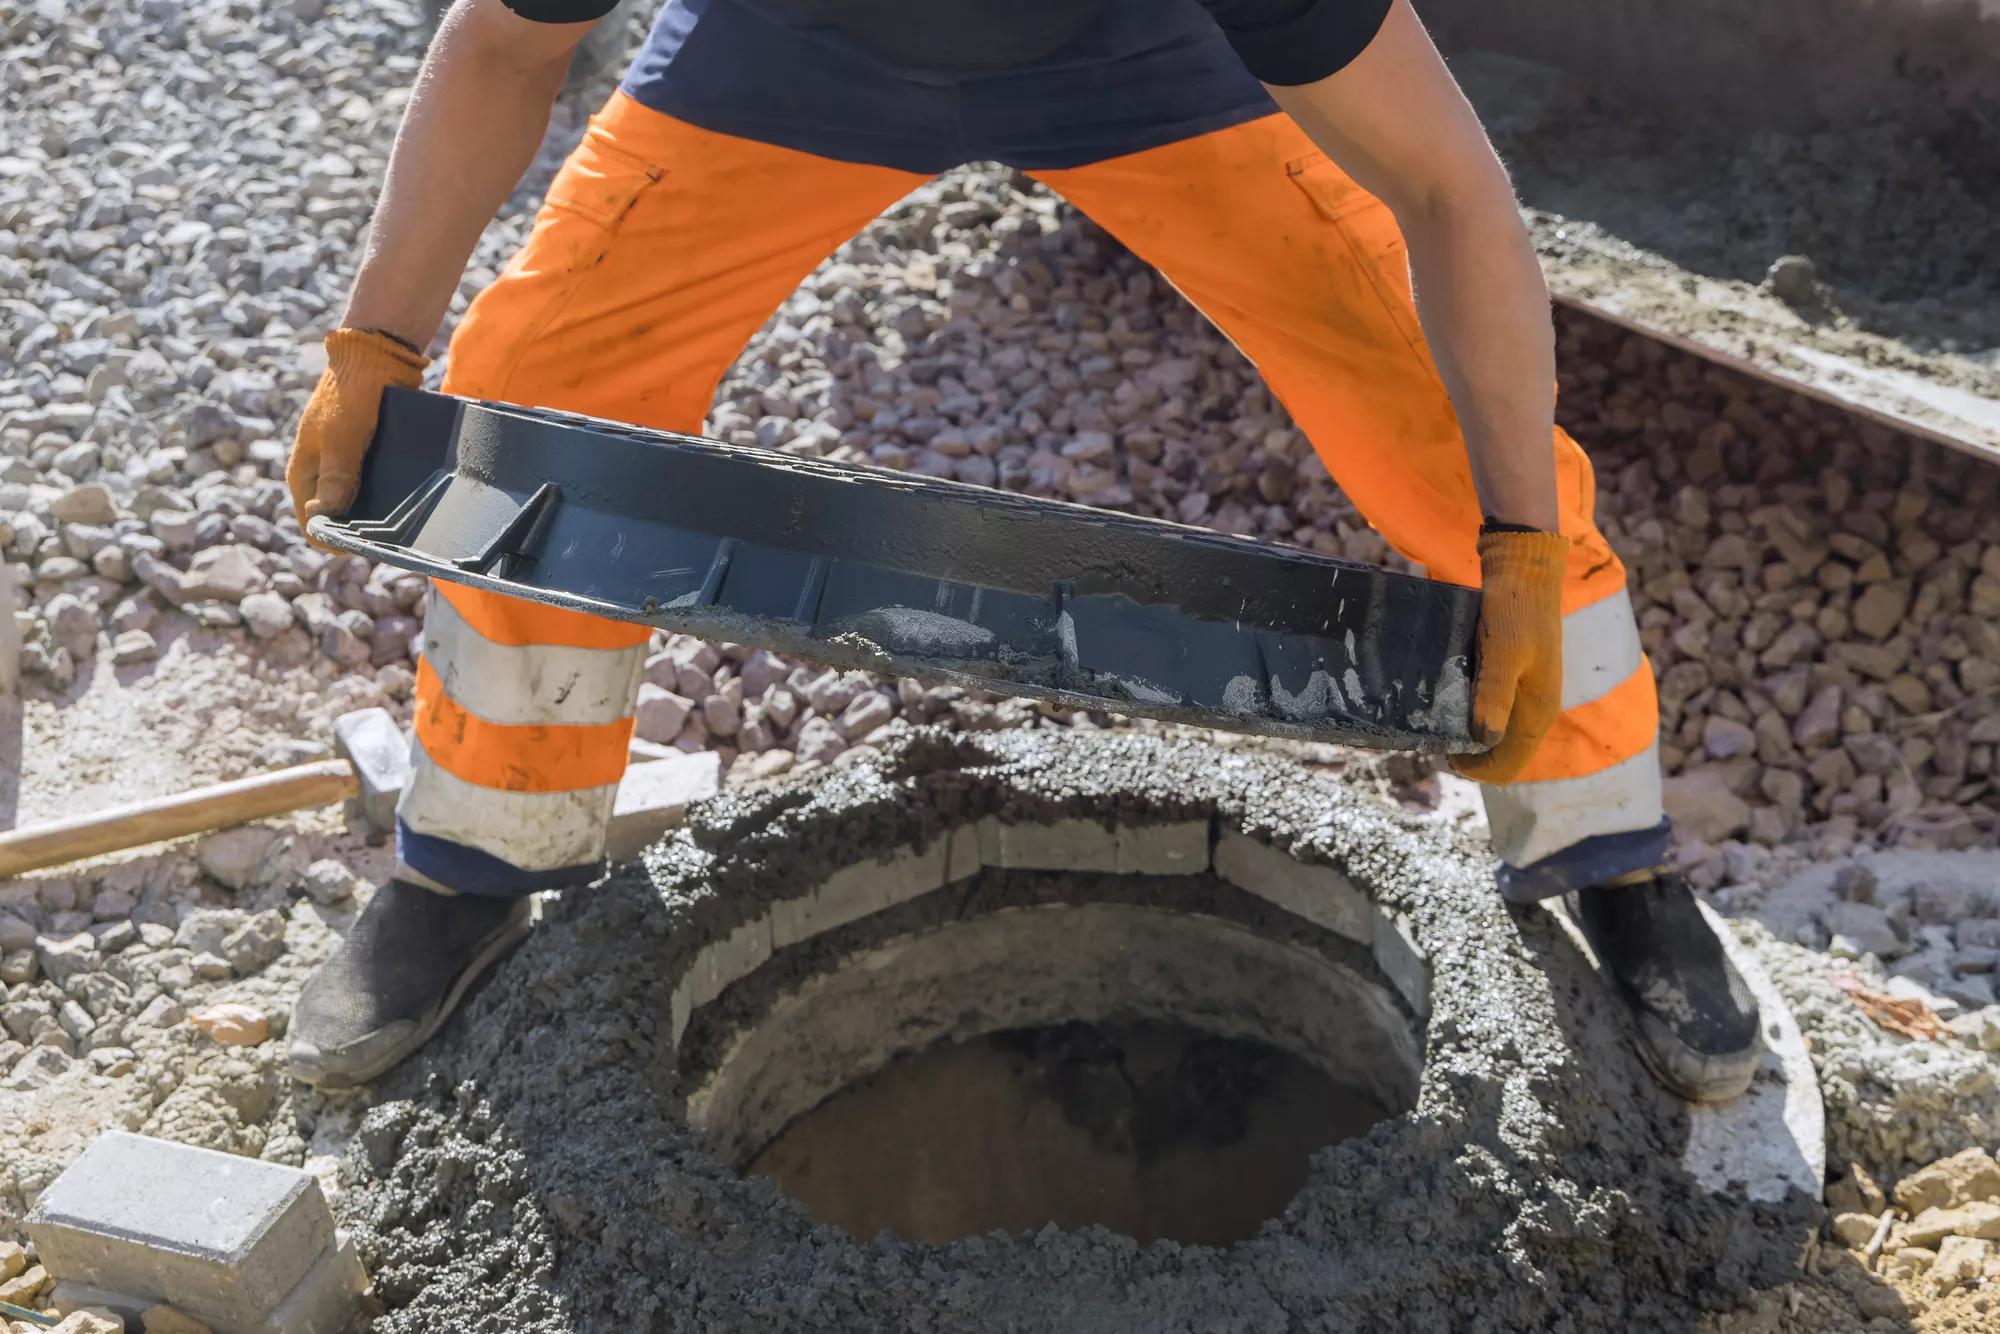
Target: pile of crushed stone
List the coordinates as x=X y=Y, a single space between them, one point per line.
x=533 y=1171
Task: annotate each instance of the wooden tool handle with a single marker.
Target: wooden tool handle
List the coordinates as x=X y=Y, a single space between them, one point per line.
x=160 y=818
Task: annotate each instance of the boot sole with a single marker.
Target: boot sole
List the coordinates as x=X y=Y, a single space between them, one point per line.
x=1731 y=1080
x=502 y=943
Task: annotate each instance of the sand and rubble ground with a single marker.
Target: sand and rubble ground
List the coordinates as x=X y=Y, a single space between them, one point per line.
x=182 y=188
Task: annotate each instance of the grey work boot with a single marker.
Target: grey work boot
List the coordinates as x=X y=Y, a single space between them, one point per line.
x=1697 y=1019
x=396 y=978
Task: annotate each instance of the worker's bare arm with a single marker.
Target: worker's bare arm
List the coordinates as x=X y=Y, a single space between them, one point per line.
x=475 y=119
x=1396 y=122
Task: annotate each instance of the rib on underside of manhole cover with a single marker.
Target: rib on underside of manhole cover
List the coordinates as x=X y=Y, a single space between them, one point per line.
x=906 y=575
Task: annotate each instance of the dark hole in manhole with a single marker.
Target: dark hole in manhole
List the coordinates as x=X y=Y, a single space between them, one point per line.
x=1150 y=1129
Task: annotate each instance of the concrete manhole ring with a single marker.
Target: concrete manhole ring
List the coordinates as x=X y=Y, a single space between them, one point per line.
x=785 y=966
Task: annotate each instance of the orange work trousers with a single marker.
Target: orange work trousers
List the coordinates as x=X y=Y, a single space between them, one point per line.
x=662 y=247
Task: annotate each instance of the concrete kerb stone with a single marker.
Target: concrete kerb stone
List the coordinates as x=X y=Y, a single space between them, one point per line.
x=248 y=1246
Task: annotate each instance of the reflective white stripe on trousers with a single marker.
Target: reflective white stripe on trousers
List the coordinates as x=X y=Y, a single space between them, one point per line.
x=1530 y=821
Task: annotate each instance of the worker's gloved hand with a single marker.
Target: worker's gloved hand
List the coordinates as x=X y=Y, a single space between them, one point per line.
x=1518 y=690
x=339 y=421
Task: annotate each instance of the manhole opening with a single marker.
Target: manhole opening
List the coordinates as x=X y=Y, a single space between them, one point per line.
x=1164 y=1063
x=1150 y=1129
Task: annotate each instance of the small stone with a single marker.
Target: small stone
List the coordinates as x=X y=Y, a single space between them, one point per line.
x=90 y=1320
x=1857 y=1192
x=13 y=1259
x=210 y=967
x=1725 y=738
x=762 y=670
x=256 y=944
x=328 y=881
x=1868 y=927
x=163 y=1011
x=21 y=1289
x=1960 y=1260
x=660 y=714
x=238 y=857
x=226 y=573
x=819 y=742
x=15 y=933
x=89 y=503
x=1702 y=804
x=1969 y=1177
x=42 y=1066
x=18 y=966
x=134 y=646
x=1819 y=723
x=265 y=615
x=1977 y=1029
x=1878 y=612
x=1981 y=1219
x=232 y=1025
x=722 y=715
x=72 y=625
x=1793 y=280
x=1854 y=1231
x=864 y=715
x=1908 y=1263
x=62 y=958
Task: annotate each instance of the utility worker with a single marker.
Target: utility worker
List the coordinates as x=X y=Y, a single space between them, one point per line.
x=1293 y=166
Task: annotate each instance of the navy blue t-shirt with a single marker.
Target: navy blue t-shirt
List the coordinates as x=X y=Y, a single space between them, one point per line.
x=1282 y=42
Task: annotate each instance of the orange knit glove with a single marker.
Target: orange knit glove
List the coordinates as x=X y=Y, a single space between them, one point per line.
x=1518 y=691
x=339 y=421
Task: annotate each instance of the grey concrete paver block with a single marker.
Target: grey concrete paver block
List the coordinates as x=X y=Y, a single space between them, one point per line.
x=369 y=740
x=223 y=1237
x=1319 y=894
x=1163 y=849
x=653 y=797
x=1397 y=955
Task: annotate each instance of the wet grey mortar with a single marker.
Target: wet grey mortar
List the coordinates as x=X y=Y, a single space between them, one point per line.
x=533 y=1171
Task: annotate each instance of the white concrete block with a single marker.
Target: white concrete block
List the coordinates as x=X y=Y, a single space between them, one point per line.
x=225 y=1238
x=853 y=892
x=729 y=960
x=1180 y=848
x=653 y=797
x=1319 y=894
x=1060 y=845
x=1397 y=955
x=961 y=858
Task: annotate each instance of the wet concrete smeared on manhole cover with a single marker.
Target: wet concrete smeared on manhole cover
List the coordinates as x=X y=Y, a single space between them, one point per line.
x=1091 y=930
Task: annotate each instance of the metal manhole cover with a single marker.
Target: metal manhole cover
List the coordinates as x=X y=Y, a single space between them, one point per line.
x=906 y=575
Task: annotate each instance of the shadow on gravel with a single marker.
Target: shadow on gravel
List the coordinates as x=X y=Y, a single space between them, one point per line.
x=1774 y=1245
